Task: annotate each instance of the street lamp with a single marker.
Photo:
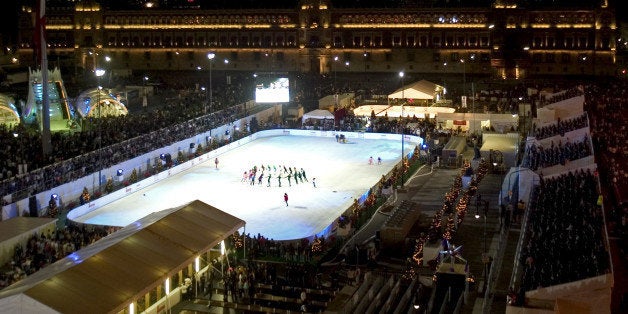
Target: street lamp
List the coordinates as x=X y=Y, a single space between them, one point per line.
x=211 y=57
x=335 y=70
x=401 y=75
x=108 y=60
x=444 y=83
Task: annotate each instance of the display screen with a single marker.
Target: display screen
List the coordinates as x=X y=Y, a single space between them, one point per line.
x=272 y=89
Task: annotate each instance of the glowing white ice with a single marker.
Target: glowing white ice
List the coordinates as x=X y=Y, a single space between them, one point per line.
x=342 y=173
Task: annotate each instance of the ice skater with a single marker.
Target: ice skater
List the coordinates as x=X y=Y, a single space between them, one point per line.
x=285 y=198
x=314 y=182
x=289 y=176
x=379 y=160
x=259 y=180
x=279 y=180
x=269 y=175
x=216 y=162
x=245 y=176
x=371 y=160
x=303 y=175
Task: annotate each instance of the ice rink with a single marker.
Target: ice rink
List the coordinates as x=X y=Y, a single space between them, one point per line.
x=342 y=173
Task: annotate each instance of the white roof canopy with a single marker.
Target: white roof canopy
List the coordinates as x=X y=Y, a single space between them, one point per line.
x=418 y=90
x=318 y=114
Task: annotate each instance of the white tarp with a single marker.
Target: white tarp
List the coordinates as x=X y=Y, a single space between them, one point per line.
x=418 y=90
x=318 y=114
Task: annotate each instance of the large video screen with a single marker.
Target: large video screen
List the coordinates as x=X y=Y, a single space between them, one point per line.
x=272 y=89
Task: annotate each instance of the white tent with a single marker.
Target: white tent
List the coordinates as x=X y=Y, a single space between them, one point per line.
x=318 y=114
x=418 y=90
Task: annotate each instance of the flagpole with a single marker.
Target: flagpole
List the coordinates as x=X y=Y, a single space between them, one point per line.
x=45 y=99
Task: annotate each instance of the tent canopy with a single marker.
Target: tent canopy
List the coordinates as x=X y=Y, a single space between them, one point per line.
x=418 y=90
x=318 y=114
x=108 y=275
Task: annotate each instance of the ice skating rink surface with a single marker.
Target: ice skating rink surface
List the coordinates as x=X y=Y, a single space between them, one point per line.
x=342 y=173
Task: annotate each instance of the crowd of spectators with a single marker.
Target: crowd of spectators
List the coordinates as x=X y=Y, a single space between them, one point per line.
x=561 y=127
x=607 y=102
x=42 y=250
x=105 y=142
x=565 y=240
x=566 y=94
x=536 y=156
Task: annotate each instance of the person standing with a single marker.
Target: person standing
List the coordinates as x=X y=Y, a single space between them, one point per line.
x=314 y=182
x=279 y=179
x=216 y=162
x=269 y=176
x=285 y=198
x=379 y=160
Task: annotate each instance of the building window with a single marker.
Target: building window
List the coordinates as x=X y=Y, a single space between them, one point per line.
x=484 y=41
x=449 y=41
x=549 y=57
x=410 y=41
x=537 y=58
x=565 y=58
x=461 y=41
x=436 y=41
x=537 y=42
x=423 y=41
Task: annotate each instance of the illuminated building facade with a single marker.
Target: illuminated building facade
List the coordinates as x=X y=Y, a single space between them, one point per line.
x=502 y=41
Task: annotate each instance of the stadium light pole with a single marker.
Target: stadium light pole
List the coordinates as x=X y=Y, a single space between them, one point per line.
x=99 y=73
x=401 y=75
x=211 y=57
x=464 y=77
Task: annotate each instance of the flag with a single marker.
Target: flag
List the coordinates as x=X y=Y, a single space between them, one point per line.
x=40 y=28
